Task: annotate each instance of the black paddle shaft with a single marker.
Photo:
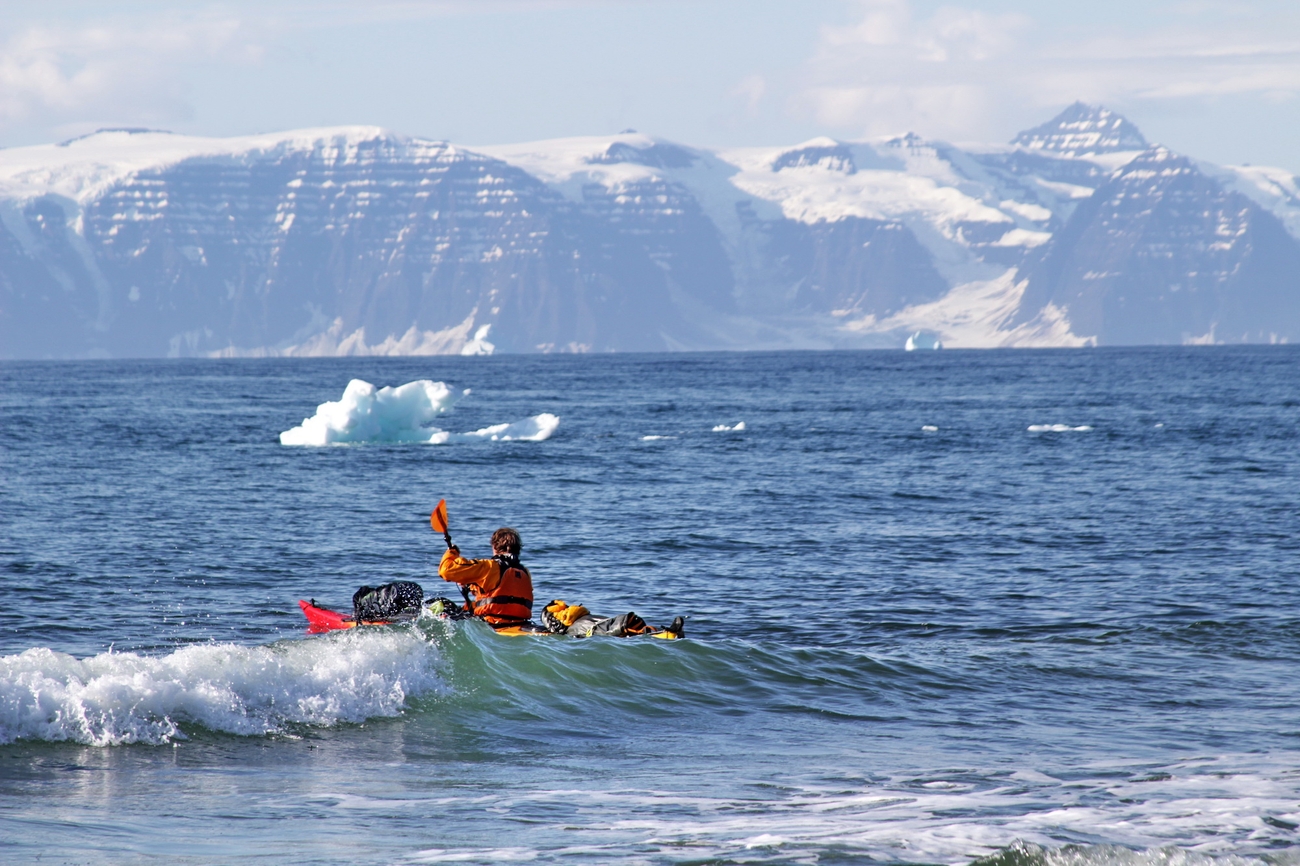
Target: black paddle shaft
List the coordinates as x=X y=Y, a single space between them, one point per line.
x=464 y=590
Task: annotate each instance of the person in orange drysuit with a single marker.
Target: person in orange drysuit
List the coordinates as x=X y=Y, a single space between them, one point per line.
x=502 y=587
x=503 y=595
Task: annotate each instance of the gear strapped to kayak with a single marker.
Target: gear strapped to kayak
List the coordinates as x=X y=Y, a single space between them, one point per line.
x=390 y=602
x=581 y=622
x=575 y=620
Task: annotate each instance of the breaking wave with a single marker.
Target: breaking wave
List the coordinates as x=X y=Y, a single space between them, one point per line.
x=404 y=414
x=115 y=698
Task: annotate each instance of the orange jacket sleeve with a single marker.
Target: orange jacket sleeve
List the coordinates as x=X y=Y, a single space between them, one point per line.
x=481 y=574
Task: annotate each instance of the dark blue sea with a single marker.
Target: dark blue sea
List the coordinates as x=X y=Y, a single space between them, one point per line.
x=1027 y=607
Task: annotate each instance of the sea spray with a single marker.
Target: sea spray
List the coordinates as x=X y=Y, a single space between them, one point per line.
x=115 y=698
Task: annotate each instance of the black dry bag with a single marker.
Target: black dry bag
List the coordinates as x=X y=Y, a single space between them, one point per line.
x=392 y=601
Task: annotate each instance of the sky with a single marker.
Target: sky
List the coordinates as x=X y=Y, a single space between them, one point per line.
x=1216 y=80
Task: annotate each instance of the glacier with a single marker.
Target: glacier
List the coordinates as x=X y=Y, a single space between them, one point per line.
x=359 y=241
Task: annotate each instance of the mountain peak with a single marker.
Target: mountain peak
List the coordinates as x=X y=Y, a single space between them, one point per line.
x=1083 y=128
x=826 y=153
x=655 y=155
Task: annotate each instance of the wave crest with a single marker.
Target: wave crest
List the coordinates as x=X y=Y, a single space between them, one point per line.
x=116 y=698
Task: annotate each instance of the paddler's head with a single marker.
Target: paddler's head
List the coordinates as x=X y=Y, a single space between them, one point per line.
x=505 y=541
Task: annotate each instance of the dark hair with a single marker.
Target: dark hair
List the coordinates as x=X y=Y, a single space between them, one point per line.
x=506 y=539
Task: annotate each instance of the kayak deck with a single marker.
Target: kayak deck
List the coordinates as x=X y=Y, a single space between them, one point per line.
x=321 y=620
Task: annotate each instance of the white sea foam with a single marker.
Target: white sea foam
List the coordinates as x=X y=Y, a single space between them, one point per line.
x=723 y=428
x=1200 y=813
x=115 y=698
x=1057 y=428
x=478 y=855
x=403 y=414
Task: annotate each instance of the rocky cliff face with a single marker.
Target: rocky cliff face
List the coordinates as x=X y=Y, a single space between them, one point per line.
x=1161 y=253
x=365 y=239
x=357 y=241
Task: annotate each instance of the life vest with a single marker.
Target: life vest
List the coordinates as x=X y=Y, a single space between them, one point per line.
x=511 y=601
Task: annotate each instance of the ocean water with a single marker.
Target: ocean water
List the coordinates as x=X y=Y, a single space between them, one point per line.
x=1028 y=607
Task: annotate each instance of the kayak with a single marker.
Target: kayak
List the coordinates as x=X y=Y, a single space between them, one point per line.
x=321 y=620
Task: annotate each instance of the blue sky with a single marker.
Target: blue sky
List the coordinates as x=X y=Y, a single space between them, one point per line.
x=1217 y=80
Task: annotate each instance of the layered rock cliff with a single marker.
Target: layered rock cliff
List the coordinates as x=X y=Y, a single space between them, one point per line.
x=360 y=241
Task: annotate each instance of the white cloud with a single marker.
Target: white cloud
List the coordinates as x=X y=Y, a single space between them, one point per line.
x=751 y=89
x=114 y=72
x=889 y=72
x=968 y=74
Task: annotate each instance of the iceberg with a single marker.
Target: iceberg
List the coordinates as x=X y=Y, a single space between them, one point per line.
x=923 y=340
x=403 y=415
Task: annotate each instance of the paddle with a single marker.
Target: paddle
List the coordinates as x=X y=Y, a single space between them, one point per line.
x=438 y=520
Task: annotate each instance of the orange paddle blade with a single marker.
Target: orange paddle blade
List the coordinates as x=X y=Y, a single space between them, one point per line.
x=438 y=519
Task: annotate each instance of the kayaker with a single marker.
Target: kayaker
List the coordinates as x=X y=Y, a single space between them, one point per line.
x=503 y=595
x=502 y=587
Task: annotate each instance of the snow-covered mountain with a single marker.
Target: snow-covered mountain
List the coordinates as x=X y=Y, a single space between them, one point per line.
x=358 y=241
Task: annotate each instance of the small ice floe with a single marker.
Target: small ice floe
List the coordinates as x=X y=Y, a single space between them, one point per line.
x=923 y=340
x=1057 y=428
x=723 y=428
x=930 y=428
x=403 y=414
x=535 y=429
x=655 y=438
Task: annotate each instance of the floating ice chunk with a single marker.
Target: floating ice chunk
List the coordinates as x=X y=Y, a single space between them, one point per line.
x=655 y=438
x=1057 y=428
x=723 y=428
x=535 y=429
x=369 y=414
x=930 y=428
x=403 y=414
x=924 y=340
